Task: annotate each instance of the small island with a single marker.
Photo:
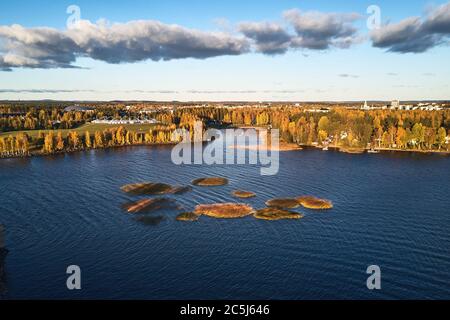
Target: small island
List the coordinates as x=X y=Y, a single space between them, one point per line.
x=276 y=214
x=147 y=188
x=314 y=203
x=243 y=194
x=283 y=203
x=150 y=188
x=224 y=210
x=187 y=216
x=210 y=182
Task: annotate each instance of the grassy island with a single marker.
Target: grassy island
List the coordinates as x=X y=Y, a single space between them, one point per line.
x=187 y=216
x=146 y=188
x=150 y=188
x=210 y=182
x=283 y=203
x=276 y=214
x=314 y=203
x=243 y=194
x=224 y=210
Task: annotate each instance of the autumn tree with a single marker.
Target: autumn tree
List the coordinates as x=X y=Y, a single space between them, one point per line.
x=98 y=140
x=49 y=143
x=74 y=140
x=441 y=137
x=87 y=140
x=59 y=142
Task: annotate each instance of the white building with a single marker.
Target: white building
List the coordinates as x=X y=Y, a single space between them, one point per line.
x=124 y=121
x=395 y=104
x=365 y=106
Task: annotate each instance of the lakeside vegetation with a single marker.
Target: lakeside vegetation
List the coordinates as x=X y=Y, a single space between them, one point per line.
x=314 y=203
x=43 y=130
x=277 y=209
x=274 y=214
x=283 y=203
x=187 y=216
x=210 y=182
x=224 y=210
x=243 y=194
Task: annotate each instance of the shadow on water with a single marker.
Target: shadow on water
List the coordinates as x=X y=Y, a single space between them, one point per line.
x=150 y=221
x=16 y=162
x=3 y=253
x=150 y=205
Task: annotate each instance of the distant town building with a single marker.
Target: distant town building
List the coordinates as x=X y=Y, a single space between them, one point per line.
x=78 y=109
x=365 y=106
x=395 y=104
x=126 y=121
x=321 y=110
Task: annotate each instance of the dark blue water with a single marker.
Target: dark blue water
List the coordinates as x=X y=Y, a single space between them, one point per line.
x=390 y=210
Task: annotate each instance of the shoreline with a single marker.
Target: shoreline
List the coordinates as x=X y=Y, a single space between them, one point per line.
x=39 y=154
x=378 y=150
x=349 y=150
x=283 y=147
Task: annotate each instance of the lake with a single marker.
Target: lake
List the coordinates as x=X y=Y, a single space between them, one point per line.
x=390 y=210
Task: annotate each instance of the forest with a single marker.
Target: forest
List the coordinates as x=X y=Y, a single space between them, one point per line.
x=338 y=127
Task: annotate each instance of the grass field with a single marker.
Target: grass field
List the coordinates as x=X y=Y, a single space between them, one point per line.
x=91 y=127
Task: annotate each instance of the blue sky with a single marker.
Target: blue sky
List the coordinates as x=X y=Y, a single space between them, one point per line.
x=301 y=74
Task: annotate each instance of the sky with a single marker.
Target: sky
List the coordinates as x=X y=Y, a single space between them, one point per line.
x=278 y=50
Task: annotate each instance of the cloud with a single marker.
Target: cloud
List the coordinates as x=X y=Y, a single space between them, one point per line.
x=312 y=30
x=269 y=38
x=56 y=91
x=242 y=91
x=414 y=34
x=35 y=48
x=43 y=91
x=142 y=40
x=320 y=31
x=392 y=74
x=117 y=43
x=346 y=75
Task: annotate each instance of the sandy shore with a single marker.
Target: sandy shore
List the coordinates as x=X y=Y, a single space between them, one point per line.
x=267 y=145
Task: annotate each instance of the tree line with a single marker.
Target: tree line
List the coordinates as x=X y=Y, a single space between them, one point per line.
x=340 y=127
x=344 y=127
x=55 y=142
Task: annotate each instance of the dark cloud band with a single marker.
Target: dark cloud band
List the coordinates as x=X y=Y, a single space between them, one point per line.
x=117 y=43
x=415 y=35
